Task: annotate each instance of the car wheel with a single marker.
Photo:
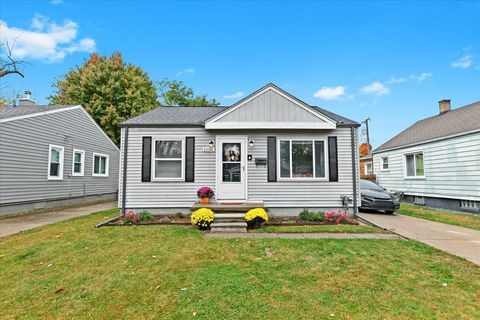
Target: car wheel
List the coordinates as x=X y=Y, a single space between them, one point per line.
x=389 y=211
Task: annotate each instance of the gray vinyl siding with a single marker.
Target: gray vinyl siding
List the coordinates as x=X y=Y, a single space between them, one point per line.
x=181 y=194
x=24 y=150
x=452 y=169
x=270 y=107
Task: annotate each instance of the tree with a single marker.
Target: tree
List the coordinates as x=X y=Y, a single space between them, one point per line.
x=111 y=91
x=176 y=93
x=365 y=149
x=8 y=65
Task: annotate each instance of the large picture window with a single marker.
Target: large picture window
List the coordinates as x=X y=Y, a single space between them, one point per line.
x=302 y=159
x=168 y=159
x=55 y=163
x=100 y=165
x=414 y=167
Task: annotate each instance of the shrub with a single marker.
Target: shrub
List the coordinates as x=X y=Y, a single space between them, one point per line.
x=180 y=214
x=145 y=215
x=307 y=215
x=337 y=217
x=256 y=217
x=205 y=192
x=130 y=217
x=202 y=218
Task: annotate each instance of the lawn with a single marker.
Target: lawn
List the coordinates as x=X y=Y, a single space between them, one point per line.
x=71 y=270
x=457 y=219
x=340 y=228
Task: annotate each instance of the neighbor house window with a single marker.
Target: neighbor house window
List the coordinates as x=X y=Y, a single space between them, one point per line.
x=414 y=167
x=55 y=163
x=302 y=159
x=384 y=163
x=168 y=159
x=78 y=162
x=468 y=204
x=368 y=169
x=100 y=165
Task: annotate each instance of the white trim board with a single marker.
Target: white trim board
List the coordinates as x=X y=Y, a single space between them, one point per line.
x=330 y=124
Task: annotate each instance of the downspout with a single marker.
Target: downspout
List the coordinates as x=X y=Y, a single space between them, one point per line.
x=124 y=171
x=354 y=170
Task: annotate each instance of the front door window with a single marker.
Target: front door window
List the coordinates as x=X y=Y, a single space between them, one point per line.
x=231 y=162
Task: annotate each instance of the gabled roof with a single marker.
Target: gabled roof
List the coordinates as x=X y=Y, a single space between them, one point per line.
x=452 y=123
x=198 y=116
x=17 y=111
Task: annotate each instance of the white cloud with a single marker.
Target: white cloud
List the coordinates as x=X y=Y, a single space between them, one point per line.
x=186 y=71
x=330 y=93
x=464 y=62
x=421 y=77
x=235 y=95
x=376 y=88
x=45 y=40
x=395 y=80
x=55 y=2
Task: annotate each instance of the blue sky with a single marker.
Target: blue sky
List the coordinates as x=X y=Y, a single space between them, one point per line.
x=390 y=61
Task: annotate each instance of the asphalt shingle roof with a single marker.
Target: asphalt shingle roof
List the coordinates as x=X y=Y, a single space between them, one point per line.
x=198 y=116
x=10 y=111
x=453 y=122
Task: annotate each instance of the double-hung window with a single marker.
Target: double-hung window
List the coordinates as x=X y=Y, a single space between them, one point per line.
x=302 y=159
x=78 y=162
x=384 y=163
x=100 y=165
x=55 y=162
x=168 y=160
x=368 y=169
x=414 y=167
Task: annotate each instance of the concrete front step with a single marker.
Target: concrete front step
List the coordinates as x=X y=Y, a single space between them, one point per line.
x=239 y=226
x=228 y=224
x=229 y=230
x=218 y=207
x=230 y=216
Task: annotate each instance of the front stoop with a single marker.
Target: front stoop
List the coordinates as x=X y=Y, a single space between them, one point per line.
x=229 y=222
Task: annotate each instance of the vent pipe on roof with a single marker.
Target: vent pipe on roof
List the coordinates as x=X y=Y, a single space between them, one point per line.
x=27 y=100
x=444 y=106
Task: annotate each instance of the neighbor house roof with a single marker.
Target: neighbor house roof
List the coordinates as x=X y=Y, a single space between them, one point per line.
x=451 y=123
x=17 y=111
x=191 y=116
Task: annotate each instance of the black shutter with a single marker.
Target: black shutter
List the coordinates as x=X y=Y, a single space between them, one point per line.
x=332 y=158
x=146 y=159
x=272 y=158
x=190 y=159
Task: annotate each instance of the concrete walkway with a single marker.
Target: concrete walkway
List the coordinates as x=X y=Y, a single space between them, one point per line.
x=462 y=242
x=254 y=235
x=15 y=224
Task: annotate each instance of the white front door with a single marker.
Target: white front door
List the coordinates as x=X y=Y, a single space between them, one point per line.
x=231 y=171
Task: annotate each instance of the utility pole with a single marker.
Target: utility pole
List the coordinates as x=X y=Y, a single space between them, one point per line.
x=368 y=135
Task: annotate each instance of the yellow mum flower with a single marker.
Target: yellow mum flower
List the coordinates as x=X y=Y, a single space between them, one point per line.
x=256 y=213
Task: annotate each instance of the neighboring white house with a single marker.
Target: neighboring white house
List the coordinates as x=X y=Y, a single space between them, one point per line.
x=436 y=161
x=269 y=147
x=53 y=156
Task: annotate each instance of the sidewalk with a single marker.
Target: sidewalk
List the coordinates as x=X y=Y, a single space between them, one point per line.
x=12 y=225
x=459 y=241
x=253 y=235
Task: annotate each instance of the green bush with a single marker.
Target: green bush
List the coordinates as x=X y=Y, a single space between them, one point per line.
x=180 y=215
x=307 y=215
x=145 y=215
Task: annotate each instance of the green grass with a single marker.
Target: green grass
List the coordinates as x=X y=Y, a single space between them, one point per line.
x=339 y=228
x=457 y=219
x=71 y=270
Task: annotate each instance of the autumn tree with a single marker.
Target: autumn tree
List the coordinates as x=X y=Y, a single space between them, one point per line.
x=176 y=93
x=365 y=149
x=111 y=91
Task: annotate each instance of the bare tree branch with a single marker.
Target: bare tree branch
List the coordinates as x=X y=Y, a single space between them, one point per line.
x=8 y=65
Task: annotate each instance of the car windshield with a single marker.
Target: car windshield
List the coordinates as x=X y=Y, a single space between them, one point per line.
x=365 y=184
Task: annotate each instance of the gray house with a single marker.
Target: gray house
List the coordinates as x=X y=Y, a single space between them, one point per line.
x=270 y=148
x=436 y=161
x=53 y=156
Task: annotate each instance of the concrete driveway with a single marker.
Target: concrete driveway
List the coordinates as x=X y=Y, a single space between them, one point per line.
x=462 y=242
x=16 y=224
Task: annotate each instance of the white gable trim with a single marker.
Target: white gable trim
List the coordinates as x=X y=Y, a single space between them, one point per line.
x=210 y=124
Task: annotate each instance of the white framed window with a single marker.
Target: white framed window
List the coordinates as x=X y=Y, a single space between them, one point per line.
x=468 y=204
x=55 y=162
x=384 y=163
x=100 y=165
x=368 y=169
x=302 y=159
x=168 y=159
x=78 y=162
x=414 y=165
